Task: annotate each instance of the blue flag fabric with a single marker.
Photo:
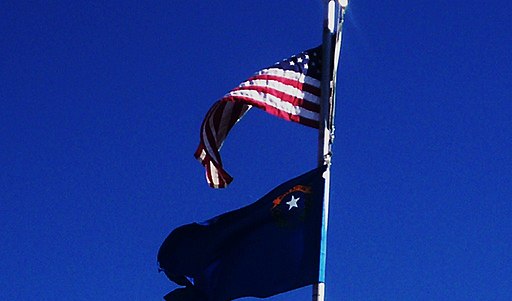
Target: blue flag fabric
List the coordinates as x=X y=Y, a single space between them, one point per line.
x=266 y=248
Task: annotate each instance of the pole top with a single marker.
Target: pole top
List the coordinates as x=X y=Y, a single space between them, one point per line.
x=343 y=3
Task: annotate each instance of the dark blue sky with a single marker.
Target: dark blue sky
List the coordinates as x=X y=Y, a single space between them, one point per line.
x=100 y=109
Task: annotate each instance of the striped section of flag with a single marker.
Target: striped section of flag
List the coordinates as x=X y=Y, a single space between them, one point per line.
x=289 y=89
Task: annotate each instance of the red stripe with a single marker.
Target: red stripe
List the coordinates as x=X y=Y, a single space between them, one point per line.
x=288 y=81
x=198 y=152
x=238 y=111
x=308 y=122
x=311 y=89
x=274 y=111
x=217 y=118
x=296 y=101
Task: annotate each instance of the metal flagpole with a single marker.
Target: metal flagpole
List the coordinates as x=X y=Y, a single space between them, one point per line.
x=331 y=45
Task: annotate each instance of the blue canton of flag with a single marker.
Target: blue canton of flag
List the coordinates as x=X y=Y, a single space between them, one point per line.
x=266 y=248
x=289 y=89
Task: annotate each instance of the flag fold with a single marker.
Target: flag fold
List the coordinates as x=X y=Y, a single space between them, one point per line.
x=289 y=89
x=266 y=248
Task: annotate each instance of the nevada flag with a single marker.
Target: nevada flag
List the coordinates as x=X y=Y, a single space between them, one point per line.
x=266 y=248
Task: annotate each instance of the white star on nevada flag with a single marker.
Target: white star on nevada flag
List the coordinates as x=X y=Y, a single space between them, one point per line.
x=293 y=203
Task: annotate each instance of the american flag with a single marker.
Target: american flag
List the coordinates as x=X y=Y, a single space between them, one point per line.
x=289 y=89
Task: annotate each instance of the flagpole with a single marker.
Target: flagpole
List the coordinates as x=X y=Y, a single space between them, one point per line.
x=331 y=45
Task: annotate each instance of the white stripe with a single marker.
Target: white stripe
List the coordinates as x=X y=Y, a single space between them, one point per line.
x=279 y=86
x=275 y=102
x=214 y=175
x=290 y=74
x=202 y=155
